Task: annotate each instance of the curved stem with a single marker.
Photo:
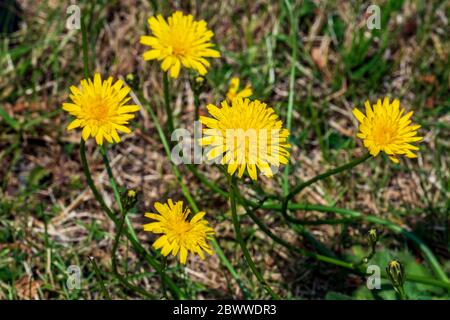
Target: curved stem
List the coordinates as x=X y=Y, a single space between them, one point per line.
x=85 y=48
x=169 y=114
x=267 y=231
x=324 y=175
x=196 y=105
x=112 y=180
x=401 y=293
x=121 y=278
x=206 y=181
x=99 y=278
x=327 y=174
x=241 y=242
x=115 y=188
x=90 y=182
x=293 y=42
x=163 y=284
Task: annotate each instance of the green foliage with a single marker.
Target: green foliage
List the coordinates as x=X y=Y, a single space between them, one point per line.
x=414 y=291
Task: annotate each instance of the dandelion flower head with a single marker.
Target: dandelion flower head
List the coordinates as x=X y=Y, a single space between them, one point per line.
x=387 y=127
x=179 y=41
x=245 y=135
x=101 y=109
x=178 y=234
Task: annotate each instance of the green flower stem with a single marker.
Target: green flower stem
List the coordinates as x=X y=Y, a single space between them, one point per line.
x=214 y=187
x=85 y=48
x=309 y=182
x=237 y=229
x=136 y=244
x=163 y=284
x=124 y=220
x=196 y=106
x=365 y=260
x=210 y=184
x=121 y=278
x=115 y=188
x=401 y=292
x=99 y=278
x=293 y=42
x=112 y=180
x=423 y=280
x=169 y=114
x=267 y=231
x=223 y=259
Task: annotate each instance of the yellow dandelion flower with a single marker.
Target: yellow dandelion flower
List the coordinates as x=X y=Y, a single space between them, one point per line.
x=234 y=87
x=180 y=41
x=178 y=234
x=100 y=109
x=245 y=135
x=386 y=127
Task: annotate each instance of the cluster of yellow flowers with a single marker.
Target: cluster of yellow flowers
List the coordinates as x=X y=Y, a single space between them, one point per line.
x=101 y=109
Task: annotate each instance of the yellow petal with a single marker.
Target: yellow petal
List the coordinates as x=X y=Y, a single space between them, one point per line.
x=359 y=115
x=167 y=62
x=74 y=124
x=152 y=54
x=160 y=242
x=98 y=82
x=251 y=168
x=70 y=107
x=99 y=138
x=183 y=255
x=394 y=159
x=128 y=109
x=86 y=132
x=198 y=217
x=175 y=69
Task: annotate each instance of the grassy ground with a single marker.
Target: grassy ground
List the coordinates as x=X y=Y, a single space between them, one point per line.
x=320 y=53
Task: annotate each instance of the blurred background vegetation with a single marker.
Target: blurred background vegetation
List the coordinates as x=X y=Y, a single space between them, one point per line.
x=49 y=219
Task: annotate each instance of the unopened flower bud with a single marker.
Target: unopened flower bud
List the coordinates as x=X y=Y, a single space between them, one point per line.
x=132 y=80
x=199 y=79
x=129 y=199
x=396 y=273
x=372 y=238
x=198 y=84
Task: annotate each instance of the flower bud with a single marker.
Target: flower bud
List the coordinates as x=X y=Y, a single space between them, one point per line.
x=199 y=79
x=373 y=238
x=129 y=199
x=396 y=273
x=198 y=84
x=132 y=80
